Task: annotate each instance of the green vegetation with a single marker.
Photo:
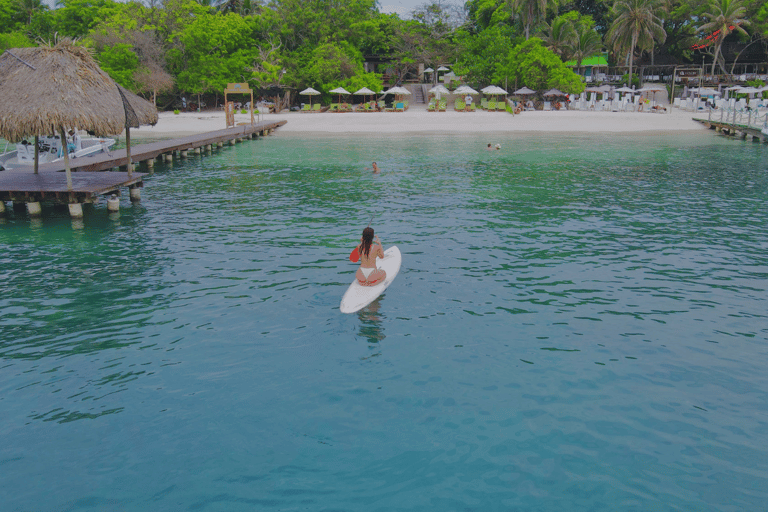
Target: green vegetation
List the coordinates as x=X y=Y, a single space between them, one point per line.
x=174 y=48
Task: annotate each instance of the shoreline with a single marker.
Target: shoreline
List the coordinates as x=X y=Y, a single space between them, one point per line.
x=420 y=122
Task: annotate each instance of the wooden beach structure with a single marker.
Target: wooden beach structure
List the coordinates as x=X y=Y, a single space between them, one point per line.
x=51 y=89
x=49 y=184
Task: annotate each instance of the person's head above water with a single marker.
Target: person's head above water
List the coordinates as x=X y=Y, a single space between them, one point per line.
x=367 y=240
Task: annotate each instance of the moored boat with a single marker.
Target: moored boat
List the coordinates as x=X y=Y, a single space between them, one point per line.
x=50 y=150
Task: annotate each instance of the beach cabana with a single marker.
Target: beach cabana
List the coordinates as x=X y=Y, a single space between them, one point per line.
x=310 y=92
x=48 y=90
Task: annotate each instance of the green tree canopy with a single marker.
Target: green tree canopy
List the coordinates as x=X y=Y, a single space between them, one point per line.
x=532 y=65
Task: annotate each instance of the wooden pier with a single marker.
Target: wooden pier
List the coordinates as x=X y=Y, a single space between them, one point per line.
x=736 y=130
x=22 y=185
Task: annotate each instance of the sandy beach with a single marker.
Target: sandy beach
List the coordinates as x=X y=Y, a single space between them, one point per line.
x=419 y=121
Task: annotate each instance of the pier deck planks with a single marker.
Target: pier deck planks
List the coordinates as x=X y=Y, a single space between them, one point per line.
x=50 y=184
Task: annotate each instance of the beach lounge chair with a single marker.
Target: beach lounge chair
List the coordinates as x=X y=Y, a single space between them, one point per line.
x=400 y=107
x=472 y=107
x=459 y=105
x=306 y=108
x=432 y=106
x=484 y=103
x=547 y=106
x=317 y=107
x=491 y=105
x=442 y=106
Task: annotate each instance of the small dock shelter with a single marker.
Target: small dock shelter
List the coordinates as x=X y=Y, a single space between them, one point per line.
x=50 y=89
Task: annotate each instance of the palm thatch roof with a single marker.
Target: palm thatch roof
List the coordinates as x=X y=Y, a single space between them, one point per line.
x=46 y=88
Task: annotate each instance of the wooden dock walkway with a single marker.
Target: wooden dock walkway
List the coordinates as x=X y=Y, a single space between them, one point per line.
x=734 y=129
x=22 y=185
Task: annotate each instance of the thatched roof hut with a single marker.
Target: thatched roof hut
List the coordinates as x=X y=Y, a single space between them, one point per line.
x=48 y=89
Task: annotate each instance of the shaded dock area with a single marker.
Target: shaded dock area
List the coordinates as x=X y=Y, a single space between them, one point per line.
x=22 y=185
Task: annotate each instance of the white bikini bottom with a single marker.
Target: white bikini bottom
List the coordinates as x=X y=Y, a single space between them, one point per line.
x=367 y=271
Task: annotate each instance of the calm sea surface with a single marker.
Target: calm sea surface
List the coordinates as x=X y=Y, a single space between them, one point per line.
x=580 y=324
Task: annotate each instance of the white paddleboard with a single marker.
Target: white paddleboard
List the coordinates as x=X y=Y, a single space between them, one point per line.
x=358 y=296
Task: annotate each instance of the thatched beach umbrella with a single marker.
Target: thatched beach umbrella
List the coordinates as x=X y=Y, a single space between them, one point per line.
x=49 y=89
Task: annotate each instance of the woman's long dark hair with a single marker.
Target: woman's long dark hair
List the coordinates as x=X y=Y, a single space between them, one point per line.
x=365 y=247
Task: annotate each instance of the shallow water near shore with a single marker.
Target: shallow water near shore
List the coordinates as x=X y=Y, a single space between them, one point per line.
x=579 y=324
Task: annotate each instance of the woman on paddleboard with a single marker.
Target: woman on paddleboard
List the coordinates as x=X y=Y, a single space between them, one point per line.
x=368 y=274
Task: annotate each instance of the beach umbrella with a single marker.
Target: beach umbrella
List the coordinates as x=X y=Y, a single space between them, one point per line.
x=340 y=91
x=524 y=91
x=48 y=89
x=707 y=91
x=465 y=89
x=443 y=68
x=554 y=92
x=653 y=89
x=493 y=90
x=364 y=92
x=439 y=89
x=310 y=92
x=625 y=89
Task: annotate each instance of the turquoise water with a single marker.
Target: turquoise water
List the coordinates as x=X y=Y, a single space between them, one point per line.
x=579 y=324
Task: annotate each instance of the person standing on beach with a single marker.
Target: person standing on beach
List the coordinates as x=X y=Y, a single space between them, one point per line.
x=468 y=103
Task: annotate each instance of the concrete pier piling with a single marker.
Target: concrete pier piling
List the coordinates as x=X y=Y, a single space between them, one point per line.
x=76 y=210
x=135 y=194
x=34 y=209
x=113 y=203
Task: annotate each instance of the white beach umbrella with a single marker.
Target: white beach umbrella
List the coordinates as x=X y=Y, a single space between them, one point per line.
x=524 y=91
x=493 y=90
x=340 y=91
x=465 y=89
x=398 y=90
x=625 y=89
x=443 y=68
x=707 y=91
x=439 y=89
x=364 y=92
x=310 y=92
x=429 y=70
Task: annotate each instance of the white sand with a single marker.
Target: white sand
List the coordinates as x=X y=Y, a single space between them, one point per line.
x=420 y=121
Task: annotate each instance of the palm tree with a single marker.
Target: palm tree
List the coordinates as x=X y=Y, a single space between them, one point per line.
x=28 y=8
x=725 y=16
x=531 y=11
x=587 y=42
x=636 y=24
x=559 y=36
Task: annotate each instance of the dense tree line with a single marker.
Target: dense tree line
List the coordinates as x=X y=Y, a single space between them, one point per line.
x=176 y=47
